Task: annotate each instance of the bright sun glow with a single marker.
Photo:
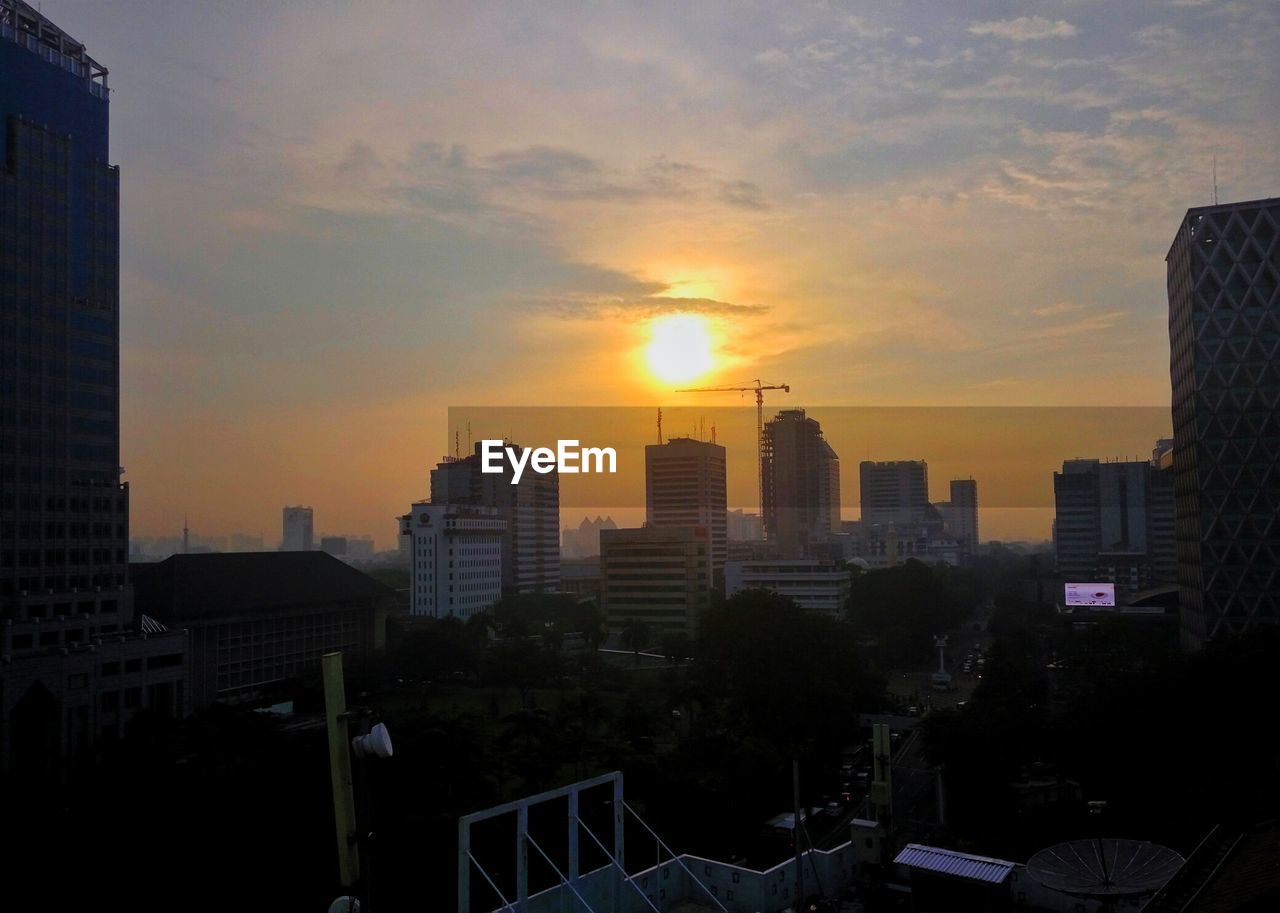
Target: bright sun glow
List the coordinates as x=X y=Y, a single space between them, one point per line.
x=680 y=348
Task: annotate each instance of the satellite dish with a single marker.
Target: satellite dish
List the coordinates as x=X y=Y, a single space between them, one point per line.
x=1104 y=867
x=377 y=744
x=345 y=904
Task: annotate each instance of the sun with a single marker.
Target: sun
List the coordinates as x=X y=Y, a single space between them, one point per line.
x=680 y=348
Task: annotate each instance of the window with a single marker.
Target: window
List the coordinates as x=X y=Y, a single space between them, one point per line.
x=132 y=697
x=77 y=680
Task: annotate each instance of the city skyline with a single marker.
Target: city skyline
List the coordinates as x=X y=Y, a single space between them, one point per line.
x=789 y=176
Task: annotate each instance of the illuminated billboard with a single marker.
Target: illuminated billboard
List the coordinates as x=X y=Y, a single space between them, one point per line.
x=1095 y=594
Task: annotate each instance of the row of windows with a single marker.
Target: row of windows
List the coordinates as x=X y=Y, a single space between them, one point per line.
x=10 y=586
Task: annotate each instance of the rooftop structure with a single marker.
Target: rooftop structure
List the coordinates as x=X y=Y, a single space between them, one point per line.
x=26 y=26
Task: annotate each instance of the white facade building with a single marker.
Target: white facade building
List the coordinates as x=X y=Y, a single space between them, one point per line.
x=456 y=558
x=814 y=584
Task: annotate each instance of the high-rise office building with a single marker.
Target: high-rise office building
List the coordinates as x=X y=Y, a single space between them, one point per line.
x=298 y=530
x=684 y=482
x=960 y=514
x=456 y=558
x=656 y=575
x=744 y=527
x=895 y=491
x=74 y=669
x=1224 y=334
x=801 y=475
x=531 y=542
x=1114 y=524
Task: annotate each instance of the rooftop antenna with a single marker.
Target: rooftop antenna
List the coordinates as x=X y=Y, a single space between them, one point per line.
x=713 y=434
x=455 y=443
x=470 y=446
x=1215 y=180
x=186 y=536
x=660 y=425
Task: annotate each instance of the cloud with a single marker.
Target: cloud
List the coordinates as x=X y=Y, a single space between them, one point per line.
x=863 y=29
x=1058 y=307
x=1159 y=36
x=1024 y=28
x=360 y=159
x=542 y=163
x=588 y=307
x=742 y=194
x=823 y=51
x=772 y=57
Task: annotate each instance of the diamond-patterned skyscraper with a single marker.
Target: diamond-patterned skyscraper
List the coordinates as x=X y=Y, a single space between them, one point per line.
x=1224 y=332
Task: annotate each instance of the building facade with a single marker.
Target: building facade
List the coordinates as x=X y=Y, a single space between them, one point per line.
x=75 y=661
x=531 y=509
x=801 y=474
x=456 y=558
x=960 y=514
x=1114 y=524
x=894 y=491
x=298 y=531
x=256 y=621
x=744 y=527
x=1224 y=333
x=656 y=575
x=817 y=585
x=685 y=486
x=875 y=545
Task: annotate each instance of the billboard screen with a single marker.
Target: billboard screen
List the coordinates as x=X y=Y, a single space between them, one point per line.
x=1096 y=594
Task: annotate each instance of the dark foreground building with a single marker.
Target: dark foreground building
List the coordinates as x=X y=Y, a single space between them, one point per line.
x=257 y=619
x=1224 y=334
x=76 y=663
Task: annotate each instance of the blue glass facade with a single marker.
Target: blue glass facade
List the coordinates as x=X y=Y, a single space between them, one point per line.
x=64 y=532
x=74 y=669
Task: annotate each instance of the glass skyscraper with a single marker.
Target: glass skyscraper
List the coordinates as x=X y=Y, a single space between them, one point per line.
x=73 y=666
x=1224 y=333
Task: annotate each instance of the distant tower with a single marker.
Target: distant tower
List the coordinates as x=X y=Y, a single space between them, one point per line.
x=685 y=486
x=894 y=492
x=801 y=483
x=298 y=530
x=186 y=536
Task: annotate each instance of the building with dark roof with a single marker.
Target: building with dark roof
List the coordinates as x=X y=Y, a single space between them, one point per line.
x=258 y=619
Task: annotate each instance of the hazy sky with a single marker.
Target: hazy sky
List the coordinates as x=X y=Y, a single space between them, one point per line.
x=341 y=218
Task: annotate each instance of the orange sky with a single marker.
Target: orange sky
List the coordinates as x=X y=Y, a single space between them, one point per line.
x=336 y=226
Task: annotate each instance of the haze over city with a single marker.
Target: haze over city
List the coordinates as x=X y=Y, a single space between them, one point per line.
x=833 y=452
x=326 y=212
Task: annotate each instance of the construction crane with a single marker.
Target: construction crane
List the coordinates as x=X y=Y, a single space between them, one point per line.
x=758 y=390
